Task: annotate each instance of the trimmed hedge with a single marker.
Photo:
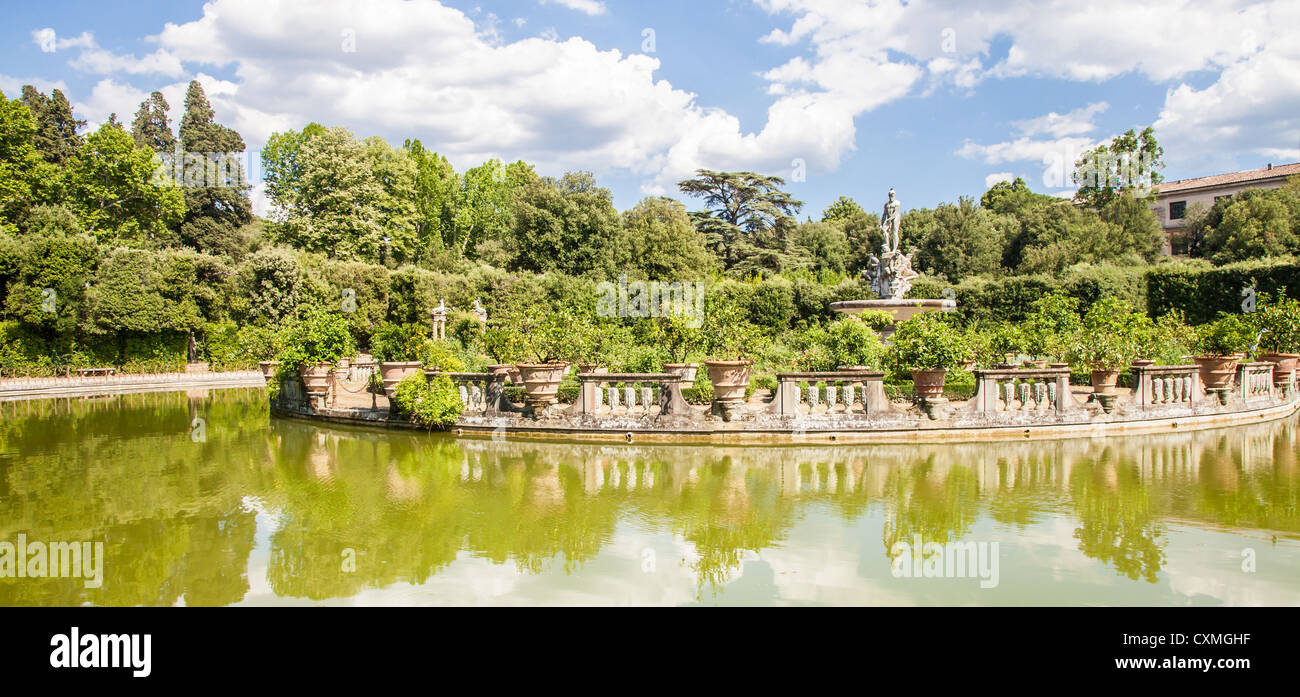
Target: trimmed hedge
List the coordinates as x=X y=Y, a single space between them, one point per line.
x=1203 y=291
x=1011 y=298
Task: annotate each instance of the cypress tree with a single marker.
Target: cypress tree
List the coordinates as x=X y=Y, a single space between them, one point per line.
x=151 y=128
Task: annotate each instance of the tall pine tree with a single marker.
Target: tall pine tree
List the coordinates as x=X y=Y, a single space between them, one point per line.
x=56 y=127
x=216 y=193
x=151 y=128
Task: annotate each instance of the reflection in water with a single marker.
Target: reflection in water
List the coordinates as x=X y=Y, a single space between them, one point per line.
x=268 y=511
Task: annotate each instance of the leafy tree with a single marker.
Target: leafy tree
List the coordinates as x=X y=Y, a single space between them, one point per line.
x=738 y=206
x=569 y=225
x=842 y=210
x=1255 y=223
x=334 y=208
x=1139 y=229
x=485 y=205
x=56 y=127
x=823 y=247
x=435 y=188
x=282 y=167
x=662 y=244
x=22 y=170
x=110 y=186
x=271 y=281
x=1000 y=191
x=395 y=205
x=1130 y=161
x=956 y=241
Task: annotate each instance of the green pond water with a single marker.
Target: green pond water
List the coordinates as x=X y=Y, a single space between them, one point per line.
x=203 y=499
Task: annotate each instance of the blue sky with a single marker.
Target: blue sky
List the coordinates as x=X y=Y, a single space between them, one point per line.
x=934 y=98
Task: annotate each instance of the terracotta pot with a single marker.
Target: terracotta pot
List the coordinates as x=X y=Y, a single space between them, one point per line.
x=1284 y=365
x=1058 y=365
x=1034 y=364
x=1143 y=362
x=591 y=369
x=687 y=371
x=511 y=372
x=542 y=381
x=1104 y=380
x=730 y=380
x=316 y=378
x=929 y=383
x=393 y=372
x=1217 y=372
x=268 y=369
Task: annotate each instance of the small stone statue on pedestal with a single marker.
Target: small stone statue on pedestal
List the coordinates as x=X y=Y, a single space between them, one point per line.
x=440 y=321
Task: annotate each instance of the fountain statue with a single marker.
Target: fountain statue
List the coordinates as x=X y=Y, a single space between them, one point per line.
x=891 y=275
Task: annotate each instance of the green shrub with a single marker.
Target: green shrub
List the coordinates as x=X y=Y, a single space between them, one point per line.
x=1225 y=336
x=399 y=343
x=928 y=342
x=1278 y=321
x=1203 y=291
x=1109 y=337
x=432 y=402
x=438 y=355
x=321 y=337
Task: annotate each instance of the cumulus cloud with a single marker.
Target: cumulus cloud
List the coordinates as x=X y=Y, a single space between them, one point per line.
x=996 y=177
x=426 y=70
x=589 y=7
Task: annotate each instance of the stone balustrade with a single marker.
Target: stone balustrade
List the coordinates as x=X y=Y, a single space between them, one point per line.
x=1255 y=381
x=1022 y=390
x=1166 y=385
x=834 y=392
x=483 y=394
x=631 y=393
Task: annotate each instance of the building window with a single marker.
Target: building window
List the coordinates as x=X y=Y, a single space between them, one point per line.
x=1178 y=210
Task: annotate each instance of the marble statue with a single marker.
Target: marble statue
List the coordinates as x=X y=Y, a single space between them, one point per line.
x=891 y=273
x=890 y=222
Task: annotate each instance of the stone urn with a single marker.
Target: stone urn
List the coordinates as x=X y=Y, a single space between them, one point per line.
x=393 y=372
x=687 y=371
x=268 y=369
x=1284 y=365
x=1217 y=372
x=1034 y=365
x=541 y=382
x=1104 y=381
x=316 y=381
x=1144 y=362
x=929 y=383
x=591 y=369
x=730 y=381
x=512 y=374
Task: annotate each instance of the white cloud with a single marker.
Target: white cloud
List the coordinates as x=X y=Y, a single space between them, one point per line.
x=996 y=177
x=13 y=86
x=1074 y=123
x=589 y=7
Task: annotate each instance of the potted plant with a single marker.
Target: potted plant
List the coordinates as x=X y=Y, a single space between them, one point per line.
x=1221 y=345
x=1278 y=327
x=541 y=346
x=928 y=347
x=681 y=337
x=1004 y=344
x=317 y=342
x=591 y=344
x=1048 y=329
x=398 y=349
x=1107 y=341
x=729 y=337
x=1165 y=341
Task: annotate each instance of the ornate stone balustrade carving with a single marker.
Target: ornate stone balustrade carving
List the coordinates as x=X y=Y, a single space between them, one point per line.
x=483 y=394
x=1255 y=381
x=631 y=393
x=836 y=392
x=1021 y=390
x=1166 y=385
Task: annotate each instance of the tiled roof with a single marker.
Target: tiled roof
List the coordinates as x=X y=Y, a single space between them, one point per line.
x=1234 y=178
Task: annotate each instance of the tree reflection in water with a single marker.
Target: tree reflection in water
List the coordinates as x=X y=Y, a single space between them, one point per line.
x=180 y=518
